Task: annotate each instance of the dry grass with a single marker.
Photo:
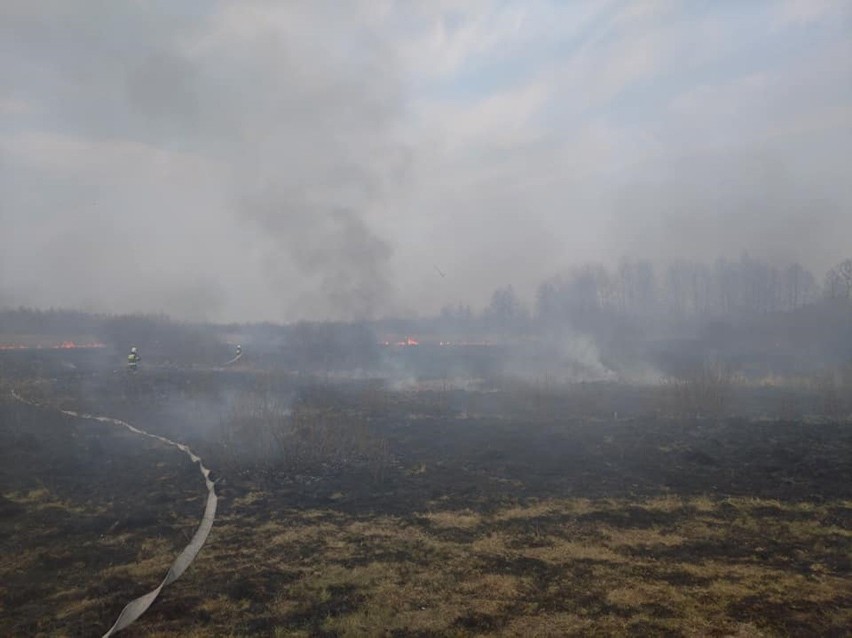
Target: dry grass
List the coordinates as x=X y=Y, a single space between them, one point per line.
x=153 y=559
x=572 y=567
x=691 y=566
x=464 y=519
x=41 y=499
x=548 y=507
x=704 y=571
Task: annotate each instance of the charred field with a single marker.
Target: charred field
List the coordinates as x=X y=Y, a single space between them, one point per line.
x=349 y=507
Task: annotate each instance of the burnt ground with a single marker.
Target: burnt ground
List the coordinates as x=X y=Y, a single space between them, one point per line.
x=86 y=509
x=378 y=512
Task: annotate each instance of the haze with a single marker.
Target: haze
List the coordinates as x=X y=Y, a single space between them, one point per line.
x=340 y=160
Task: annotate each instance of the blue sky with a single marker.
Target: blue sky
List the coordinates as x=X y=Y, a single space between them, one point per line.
x=265 y=160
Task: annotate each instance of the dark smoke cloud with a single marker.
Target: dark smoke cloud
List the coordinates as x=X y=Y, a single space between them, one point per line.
x=342 y=262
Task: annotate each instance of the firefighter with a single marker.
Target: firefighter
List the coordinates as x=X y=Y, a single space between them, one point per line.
x=133 y=359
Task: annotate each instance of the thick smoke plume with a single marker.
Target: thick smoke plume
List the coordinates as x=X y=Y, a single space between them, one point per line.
x=224 y=162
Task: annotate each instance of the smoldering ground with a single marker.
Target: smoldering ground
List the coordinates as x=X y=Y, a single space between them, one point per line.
x=328 y=470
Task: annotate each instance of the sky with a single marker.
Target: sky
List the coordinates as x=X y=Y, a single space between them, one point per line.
x=278 y=161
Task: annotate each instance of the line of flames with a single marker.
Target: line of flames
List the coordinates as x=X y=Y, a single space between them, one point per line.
x=408 y=341
x=65 y=345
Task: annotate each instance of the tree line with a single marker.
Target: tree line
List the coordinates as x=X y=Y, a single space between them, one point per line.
x=676 y=292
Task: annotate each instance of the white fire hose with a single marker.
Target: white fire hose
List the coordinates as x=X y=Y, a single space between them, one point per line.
x=135 y=608
x=234 y=360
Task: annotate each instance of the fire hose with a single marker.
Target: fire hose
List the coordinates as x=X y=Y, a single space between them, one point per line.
x=135 y=608
x=234 y=360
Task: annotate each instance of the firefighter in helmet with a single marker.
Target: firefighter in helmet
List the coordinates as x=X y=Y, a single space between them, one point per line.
x=133 y=359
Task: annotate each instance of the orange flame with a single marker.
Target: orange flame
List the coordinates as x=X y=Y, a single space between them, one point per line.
x=65 y=345
x=408 y=341
x=70 y=345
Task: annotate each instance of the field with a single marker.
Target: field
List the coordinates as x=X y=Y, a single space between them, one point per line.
x=351 y=508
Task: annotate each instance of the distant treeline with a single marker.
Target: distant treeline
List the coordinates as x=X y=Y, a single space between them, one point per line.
x=745 y=310
x=681 y=291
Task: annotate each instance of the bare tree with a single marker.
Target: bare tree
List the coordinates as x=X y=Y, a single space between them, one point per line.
x=636 y=287
x=838 y=281
x=506 y=312
x=844 y=269
x=799 y=287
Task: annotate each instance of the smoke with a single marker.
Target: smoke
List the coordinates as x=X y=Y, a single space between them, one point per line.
x=281 y=161
x=311 y=146
x=724 y=205
x=209 y=162
x=342 y=263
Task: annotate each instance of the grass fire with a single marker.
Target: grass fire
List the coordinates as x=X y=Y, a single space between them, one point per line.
x=426 y=319
x=442 y=489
